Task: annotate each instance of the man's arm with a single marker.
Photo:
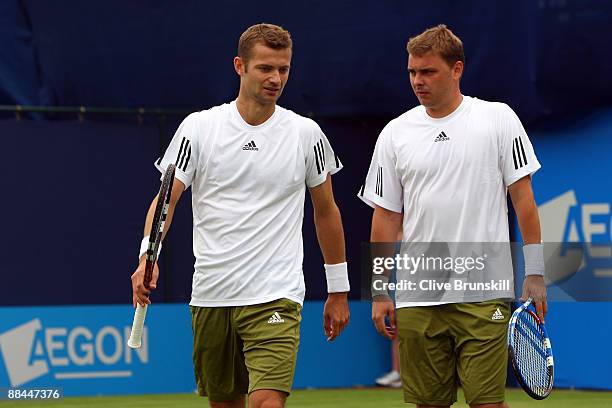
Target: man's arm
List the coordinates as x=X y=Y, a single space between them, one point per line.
x=328 y=223
x=330 y=235
x=177 y=190
x=526 y=210
x=140 y=294
x=386 y=225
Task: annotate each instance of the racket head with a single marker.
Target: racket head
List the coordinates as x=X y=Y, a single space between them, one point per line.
x=530 y=352
x=159 y=219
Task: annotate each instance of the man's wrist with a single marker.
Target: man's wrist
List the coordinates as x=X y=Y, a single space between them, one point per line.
x=337 y=278
x=144 y=247
x=534 y=259
x=379 y=287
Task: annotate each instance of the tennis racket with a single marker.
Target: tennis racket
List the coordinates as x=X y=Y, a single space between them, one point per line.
x=157 y=229
x=530 y=352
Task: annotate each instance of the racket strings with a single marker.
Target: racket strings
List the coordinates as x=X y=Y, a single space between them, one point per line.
x=159 y=221
x=531 y=354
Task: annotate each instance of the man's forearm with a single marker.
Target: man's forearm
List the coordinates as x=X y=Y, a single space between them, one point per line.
x=177 y=190
x=385 y=225
x=330 y=235
x=528 y=219
x=149 y=221
x=526 y=210
x=149 y=217
x=151 y=214
x=529 y=224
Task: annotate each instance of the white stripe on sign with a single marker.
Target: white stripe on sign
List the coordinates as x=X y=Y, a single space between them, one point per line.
x=603 y=273
x=93 y=374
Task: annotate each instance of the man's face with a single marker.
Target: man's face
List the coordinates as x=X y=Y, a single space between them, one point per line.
x=432 y=80
x=265 y=74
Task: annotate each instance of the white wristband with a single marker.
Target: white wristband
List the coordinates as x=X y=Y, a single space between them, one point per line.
x=380 y=284
x=534 y=259
x=337 y=278
x=144 y=245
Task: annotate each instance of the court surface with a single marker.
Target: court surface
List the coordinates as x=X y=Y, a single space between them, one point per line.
x=337 y=398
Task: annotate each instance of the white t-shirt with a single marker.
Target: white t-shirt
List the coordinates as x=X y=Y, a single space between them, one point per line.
x=248 y=187
x=449 y=176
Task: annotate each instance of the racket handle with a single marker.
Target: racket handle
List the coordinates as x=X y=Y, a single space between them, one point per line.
x=137 y=326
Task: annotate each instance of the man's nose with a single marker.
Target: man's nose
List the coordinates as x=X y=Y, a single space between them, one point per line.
x=275 y=78
x=417 y=79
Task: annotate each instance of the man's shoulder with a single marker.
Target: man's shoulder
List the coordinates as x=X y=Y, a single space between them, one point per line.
x=210 y=113
x=490 y=107
x=303 y=129
x=413 y=116
x=410 y=115
x=404 y=121
x=197 y=125
x=303 y=122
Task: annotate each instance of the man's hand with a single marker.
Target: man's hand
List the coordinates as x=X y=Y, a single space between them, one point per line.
x=535 y=288
x=382 y=306
x=335 y=315
x=140 y=294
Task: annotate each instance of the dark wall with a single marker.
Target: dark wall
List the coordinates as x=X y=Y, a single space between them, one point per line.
x=72 y=193
x=76 y=194
x=544 y=58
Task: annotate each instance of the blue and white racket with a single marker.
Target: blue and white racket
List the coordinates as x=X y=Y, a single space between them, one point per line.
x=530 y=352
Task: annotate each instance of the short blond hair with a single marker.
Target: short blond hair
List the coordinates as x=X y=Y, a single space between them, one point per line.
x=270 y=35
x=440 y=40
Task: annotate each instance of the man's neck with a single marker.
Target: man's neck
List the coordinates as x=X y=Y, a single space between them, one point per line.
x=252 y=112
x=447 y=108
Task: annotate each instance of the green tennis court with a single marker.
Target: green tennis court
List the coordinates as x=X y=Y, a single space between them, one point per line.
x=339 y=398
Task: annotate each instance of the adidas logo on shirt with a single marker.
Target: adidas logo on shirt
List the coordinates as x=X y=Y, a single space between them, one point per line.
x=275 y=319
x=250 y=146
x=441 y=137
x=497 y=315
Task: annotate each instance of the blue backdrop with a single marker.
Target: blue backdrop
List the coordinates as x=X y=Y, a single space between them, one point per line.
x=574 y=195
x=82 y=350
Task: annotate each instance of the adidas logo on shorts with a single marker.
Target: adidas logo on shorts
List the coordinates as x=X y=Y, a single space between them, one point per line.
x=497 y=315
x=275 y=319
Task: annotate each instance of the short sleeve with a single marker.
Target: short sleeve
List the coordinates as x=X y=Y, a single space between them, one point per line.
x=518 y=158
x=320 y=158
x=182 y=151
x=383 y=185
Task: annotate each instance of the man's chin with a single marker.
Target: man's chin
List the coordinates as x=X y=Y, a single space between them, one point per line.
x=267 y=100
x=272 y=98
x=426 y=103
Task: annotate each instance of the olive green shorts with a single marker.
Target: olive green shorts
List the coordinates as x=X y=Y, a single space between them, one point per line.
x=240 y=349
x=440 y=345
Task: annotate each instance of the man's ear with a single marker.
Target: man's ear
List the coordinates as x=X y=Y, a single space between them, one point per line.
x=239 y=65
x=458 y=69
